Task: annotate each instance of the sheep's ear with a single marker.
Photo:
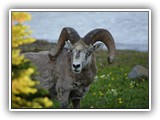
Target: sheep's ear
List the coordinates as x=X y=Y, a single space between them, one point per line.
x=97 y=46
x=69 y=45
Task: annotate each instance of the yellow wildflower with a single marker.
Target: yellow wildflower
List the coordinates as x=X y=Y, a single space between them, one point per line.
x=120 y=100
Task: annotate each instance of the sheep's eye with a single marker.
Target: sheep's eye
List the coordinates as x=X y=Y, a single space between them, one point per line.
x=88 y=54
x=71 y=50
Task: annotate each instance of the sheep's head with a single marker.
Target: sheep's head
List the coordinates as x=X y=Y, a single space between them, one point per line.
x=82 y=48
x=81 y=54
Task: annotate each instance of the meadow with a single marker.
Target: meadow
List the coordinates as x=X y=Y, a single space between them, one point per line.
x=112 y=89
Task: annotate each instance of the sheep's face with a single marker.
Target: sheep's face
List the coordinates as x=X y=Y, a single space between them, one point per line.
x=81 y=55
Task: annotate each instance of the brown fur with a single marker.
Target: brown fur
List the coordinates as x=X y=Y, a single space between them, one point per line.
x=57 y=76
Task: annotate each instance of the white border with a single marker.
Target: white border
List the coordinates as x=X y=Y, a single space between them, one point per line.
x=85 y=10
x=150 y=75
x=10 y=63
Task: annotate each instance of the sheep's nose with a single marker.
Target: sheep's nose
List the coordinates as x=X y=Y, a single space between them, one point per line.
x=76 y=66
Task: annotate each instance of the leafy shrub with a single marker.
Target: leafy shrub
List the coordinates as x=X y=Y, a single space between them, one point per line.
x=24 y=91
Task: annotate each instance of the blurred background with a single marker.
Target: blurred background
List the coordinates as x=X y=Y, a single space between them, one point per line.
x=129 y=29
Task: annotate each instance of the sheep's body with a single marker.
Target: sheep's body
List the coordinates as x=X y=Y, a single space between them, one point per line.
x=57 y=76
x=67 y=73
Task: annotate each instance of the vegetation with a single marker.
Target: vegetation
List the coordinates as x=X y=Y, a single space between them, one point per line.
x=24 y=91
x=38 y=45
x=111 y=89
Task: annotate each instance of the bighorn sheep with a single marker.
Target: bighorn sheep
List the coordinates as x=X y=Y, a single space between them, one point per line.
x=68 y=72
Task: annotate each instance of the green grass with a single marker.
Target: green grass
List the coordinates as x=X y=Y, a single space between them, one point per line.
x=112 y=89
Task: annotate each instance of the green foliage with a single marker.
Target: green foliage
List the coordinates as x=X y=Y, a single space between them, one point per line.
x=112 y=88
x=24 y=91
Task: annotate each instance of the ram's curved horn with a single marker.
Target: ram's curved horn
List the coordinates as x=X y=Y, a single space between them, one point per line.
x=67 y=33
x=103 y=36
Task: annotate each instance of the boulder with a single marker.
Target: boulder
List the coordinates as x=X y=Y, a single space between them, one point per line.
x=137 y=72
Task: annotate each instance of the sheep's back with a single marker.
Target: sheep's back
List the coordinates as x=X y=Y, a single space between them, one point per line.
x=44 y=66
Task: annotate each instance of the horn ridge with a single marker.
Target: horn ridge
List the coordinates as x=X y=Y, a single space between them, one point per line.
x=104 y=36
x=72 y=34
x=67 y=33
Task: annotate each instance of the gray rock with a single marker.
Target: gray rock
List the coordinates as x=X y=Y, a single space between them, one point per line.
x=137 y=72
